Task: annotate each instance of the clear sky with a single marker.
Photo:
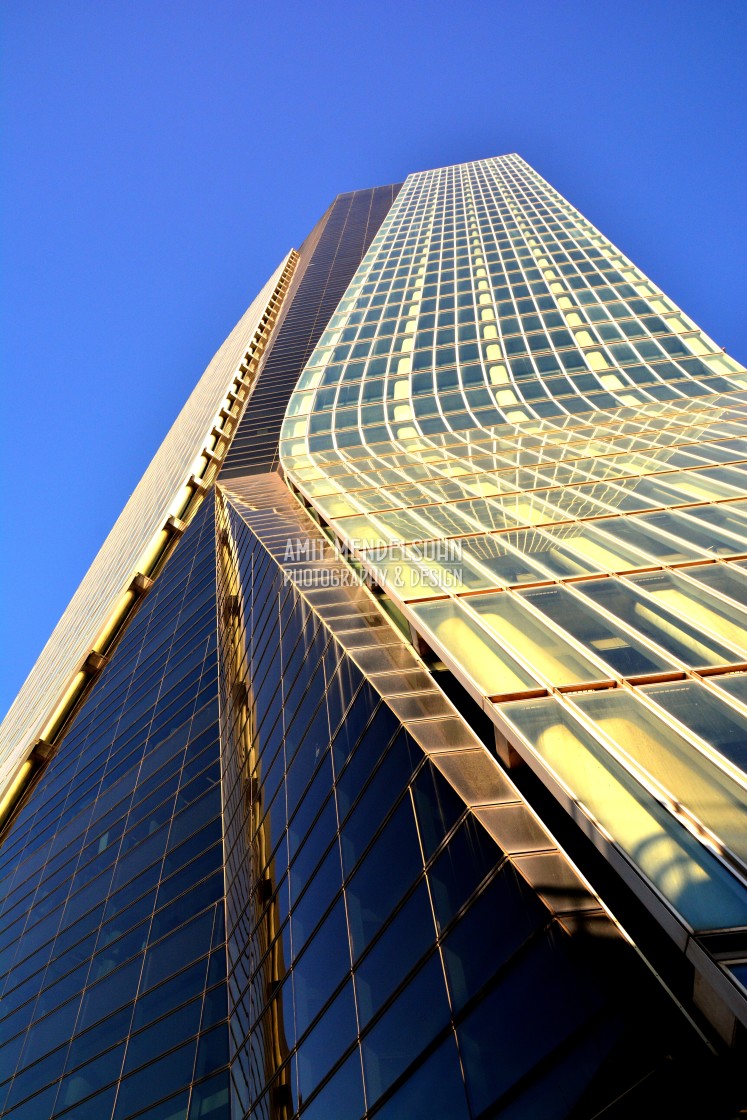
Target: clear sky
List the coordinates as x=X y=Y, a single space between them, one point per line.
x=161 y=157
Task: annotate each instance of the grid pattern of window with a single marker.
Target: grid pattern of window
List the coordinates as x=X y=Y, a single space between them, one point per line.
x=387 y=957
x=328 y=259
x=499 y=377
x=112 y=956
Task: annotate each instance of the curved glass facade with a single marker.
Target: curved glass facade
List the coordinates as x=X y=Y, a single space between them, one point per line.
x=541 y=460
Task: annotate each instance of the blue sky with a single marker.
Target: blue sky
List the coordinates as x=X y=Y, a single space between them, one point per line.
x=161 y=157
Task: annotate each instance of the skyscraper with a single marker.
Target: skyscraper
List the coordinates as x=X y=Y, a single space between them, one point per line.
x=389 y=761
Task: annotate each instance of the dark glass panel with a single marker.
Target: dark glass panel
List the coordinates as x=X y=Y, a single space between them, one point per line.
x=210 y=1099
x=322 y=966
x=212 y=1051
x=109 y=994
x=178 y=949
x=329 y=1039
x=390 y=866
x=163 y=1035
x=50 y=1032
x=498 y=922
x=86 y=1080
x=390 y=779
x=404 y=941
x=461 y=867
x=536 y=1005
x=412 y=1021
x=434 y=1091
x=159 y=1079
x=342 y=1096
x=85 y=1046
x=437 y=805
x=322 y=889
x=94 y=1108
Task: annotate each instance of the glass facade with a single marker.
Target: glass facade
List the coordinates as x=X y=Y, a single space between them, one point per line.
x=502 y=387
x=398 y=920
x=113 y=958
x=408 y=777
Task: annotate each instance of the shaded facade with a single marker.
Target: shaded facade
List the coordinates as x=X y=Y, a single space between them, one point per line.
x=306 y=843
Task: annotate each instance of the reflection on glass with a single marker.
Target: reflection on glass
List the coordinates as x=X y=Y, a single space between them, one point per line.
x=599 y=551
x=677 y=765
x=697 y=605
x=636 y=532
x=685 y=872
x=407 y=579
x=727 y=579
x=731 y=517
x=662 y=626
x=680 y=523
x=491 y=667
x=507 y=558
x=542 y=647
x=735 y=684
x=705 y=713
x=624 y=653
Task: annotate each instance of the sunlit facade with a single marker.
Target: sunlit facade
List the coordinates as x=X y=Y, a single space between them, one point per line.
x=500 y=377
x=389 y=762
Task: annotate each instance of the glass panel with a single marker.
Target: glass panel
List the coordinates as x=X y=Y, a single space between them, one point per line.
x=210 y=1099
x=456 y=873
x=380 y=881
x=695 y=604
x=549 y=1094
x=501 y=1040
x=324 y=963
x=435 y=1091
x=408 y=579
x=557 y=555
x=676 y=764
x=727 y=579
x=88 y=1078
x=708 y=538
x=685 y=873
x=417 y=1014
x=212 y=1051
x=661 y=546
x=707 y=715
x=342 y=1096
x=599 y=551
x=502 y=917
x=100 y=1106
x=38 y=1106
x=505 y=567
x=164 y=1034
x=437 y=806
x=491 y=667
x=329 y=1039
x=731 y=518
x=662 y=626
x=157 y=1079
x=544 y=648
x=735 y=684
x=627 y=655
x=404 y=941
